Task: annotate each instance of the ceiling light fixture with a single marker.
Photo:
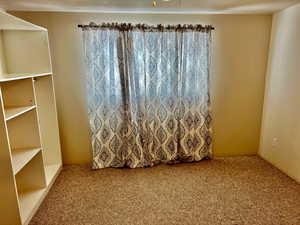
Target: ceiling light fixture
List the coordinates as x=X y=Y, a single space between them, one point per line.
x=154 y=3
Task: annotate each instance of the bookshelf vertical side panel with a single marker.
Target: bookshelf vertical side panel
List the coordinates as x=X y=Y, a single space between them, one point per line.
x=46 y=107
x=9 y=207
x=2 y=56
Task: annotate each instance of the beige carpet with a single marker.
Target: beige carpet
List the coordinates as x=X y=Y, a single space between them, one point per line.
x=231 y=191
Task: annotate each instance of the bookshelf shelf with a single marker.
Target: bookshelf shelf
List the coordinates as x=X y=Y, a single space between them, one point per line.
x=13 y=112
x=20 y=157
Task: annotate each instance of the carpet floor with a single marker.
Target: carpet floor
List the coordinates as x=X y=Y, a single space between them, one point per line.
x=224 y=191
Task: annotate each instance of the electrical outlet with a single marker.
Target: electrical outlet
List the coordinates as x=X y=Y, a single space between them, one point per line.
x=274 y=142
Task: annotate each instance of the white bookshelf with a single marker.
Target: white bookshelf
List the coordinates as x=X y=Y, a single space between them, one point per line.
x=30 y=155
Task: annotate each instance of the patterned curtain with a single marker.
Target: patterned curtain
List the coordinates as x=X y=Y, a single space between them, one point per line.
x=148 y=94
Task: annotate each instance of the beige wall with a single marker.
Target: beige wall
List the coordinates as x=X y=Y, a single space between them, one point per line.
x=280 y=138
x=237 y=83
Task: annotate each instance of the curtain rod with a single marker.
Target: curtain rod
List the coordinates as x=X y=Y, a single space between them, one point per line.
x=127 y=26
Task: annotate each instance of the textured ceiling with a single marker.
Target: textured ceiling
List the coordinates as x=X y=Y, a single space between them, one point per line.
x=143 y=6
